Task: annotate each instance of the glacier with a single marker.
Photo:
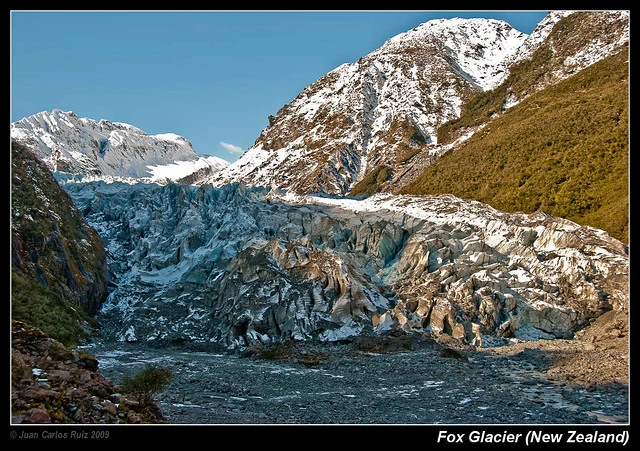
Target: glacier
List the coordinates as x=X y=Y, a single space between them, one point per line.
x=232 y=266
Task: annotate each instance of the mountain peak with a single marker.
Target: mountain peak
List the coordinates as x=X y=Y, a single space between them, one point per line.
x=379 y=117
x=480 y=47
x=70 y=144
x=381 y=110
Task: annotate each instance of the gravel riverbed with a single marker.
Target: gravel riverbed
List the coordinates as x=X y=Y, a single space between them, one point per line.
x=428 y=384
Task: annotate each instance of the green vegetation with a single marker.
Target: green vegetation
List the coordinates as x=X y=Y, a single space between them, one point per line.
x=36 y=195
x=528 y=75
x=51 y=242
x=482 y=107
x=146 y=383
x=370 y=184
x=563 y=150
x=478 y=110
x=40 y=307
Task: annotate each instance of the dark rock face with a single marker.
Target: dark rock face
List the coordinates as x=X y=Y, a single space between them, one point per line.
x=233 y=267
x=51 y=383
x=51 y=242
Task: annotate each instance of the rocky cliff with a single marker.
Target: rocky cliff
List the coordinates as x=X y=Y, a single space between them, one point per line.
x=58 y=261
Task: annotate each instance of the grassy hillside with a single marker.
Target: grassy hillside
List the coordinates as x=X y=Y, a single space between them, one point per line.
x=370 y=184
x=563 y=150
x=41 y=307
x=59 y=273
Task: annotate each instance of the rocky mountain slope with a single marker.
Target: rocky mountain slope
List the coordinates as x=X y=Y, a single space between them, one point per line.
x=58 y=262
x=385 y=107
x=563 y=150
x=90 y=149
x=230 y=267
x=380 y=117
x=58 y=283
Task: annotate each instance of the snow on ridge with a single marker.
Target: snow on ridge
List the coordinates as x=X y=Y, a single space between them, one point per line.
x=480 y=47
x=538 y=35
x=251 y=160
x=589 y=54
x=180 y=169
x=170 y=137
x=83 y=146
x=440 y=27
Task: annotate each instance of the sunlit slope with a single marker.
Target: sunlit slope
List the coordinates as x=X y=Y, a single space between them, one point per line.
x=563 y=150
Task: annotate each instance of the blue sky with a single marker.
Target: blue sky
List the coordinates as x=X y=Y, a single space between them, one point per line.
x=211 y=76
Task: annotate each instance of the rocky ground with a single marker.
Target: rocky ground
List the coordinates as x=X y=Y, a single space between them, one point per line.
x=395 y=380
x=599 y=356
x=51 y=383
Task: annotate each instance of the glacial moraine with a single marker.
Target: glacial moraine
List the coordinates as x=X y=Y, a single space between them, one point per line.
x=347 y=386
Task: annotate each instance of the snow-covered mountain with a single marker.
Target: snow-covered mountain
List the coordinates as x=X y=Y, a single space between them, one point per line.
x=102 y=149
x=385 y=109
x=380 y=113
x=572 y=40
